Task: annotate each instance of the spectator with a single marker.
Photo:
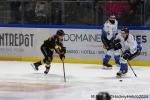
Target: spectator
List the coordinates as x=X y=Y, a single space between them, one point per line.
x=134 y=15
x=117 y=8
x=15 y=12
x=41 y=12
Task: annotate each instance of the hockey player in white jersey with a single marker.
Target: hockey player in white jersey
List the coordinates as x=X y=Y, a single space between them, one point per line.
x=109 y=33
x=130 y=48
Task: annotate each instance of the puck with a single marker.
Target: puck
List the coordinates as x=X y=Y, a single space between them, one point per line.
x=120 y=80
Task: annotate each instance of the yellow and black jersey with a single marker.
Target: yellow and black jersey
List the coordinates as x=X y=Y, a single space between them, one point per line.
x=53 y=43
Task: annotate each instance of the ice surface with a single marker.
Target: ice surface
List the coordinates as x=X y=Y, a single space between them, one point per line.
x=18 y=81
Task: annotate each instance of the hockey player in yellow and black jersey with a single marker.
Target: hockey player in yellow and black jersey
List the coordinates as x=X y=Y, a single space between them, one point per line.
x=54 y=43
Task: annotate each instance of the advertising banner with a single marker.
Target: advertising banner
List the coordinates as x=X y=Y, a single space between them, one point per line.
x=82 y=44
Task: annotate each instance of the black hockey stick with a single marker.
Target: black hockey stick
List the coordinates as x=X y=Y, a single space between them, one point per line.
x=64 y=70
x=130 y=66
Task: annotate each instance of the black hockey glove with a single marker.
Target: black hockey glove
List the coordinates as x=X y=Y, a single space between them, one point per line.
x=137 y=53
x=117 y=44
x=62 y=53
x=105 y=43
x=62 y=56
x=126 y=55
x=108 y=44
x=63 y=50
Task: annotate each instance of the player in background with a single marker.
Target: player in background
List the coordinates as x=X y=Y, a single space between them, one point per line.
x=103 y=96
x=130 y=48
x=54 y=43
x=109 y=33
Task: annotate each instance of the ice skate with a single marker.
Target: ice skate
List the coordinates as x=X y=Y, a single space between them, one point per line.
x=107 y=66
x=46 y=71
x=35 y=66
x=121 y=73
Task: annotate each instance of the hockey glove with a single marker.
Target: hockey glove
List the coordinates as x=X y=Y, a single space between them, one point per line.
x=126 y=55
x=57 y=49
x=62 y=56
x=63 y=50
x=108 y=45
x=105 y=44
x=62 y=53
x=117 y=44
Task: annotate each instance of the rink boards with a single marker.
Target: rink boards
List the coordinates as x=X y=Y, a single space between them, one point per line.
x=22 y=42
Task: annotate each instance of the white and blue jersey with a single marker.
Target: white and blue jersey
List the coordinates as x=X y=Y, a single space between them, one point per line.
x=109 y=30
x=130 y=43
x=133 y=46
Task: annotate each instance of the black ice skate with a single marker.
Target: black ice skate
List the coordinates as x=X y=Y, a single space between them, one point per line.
x=46 y=71
x=121 y=73
x=107 y=66
x=35 y=66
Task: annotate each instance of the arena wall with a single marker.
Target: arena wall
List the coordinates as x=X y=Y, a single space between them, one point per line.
x=22 y=43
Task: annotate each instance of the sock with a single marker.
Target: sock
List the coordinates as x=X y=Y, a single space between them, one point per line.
x=123 y=67
x=117 y=59
x=106 y=58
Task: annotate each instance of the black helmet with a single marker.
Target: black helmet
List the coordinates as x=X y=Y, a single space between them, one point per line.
x=60 y=32
x=103 y=96
x=125 y=29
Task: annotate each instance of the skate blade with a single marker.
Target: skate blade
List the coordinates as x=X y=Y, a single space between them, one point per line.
x=106 y=68
x=121 y=76
x=33 y=67
x=45 y=74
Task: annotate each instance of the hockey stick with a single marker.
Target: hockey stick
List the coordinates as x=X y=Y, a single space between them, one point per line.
x=130 y=65
x=131 y=68
x=64 y=70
